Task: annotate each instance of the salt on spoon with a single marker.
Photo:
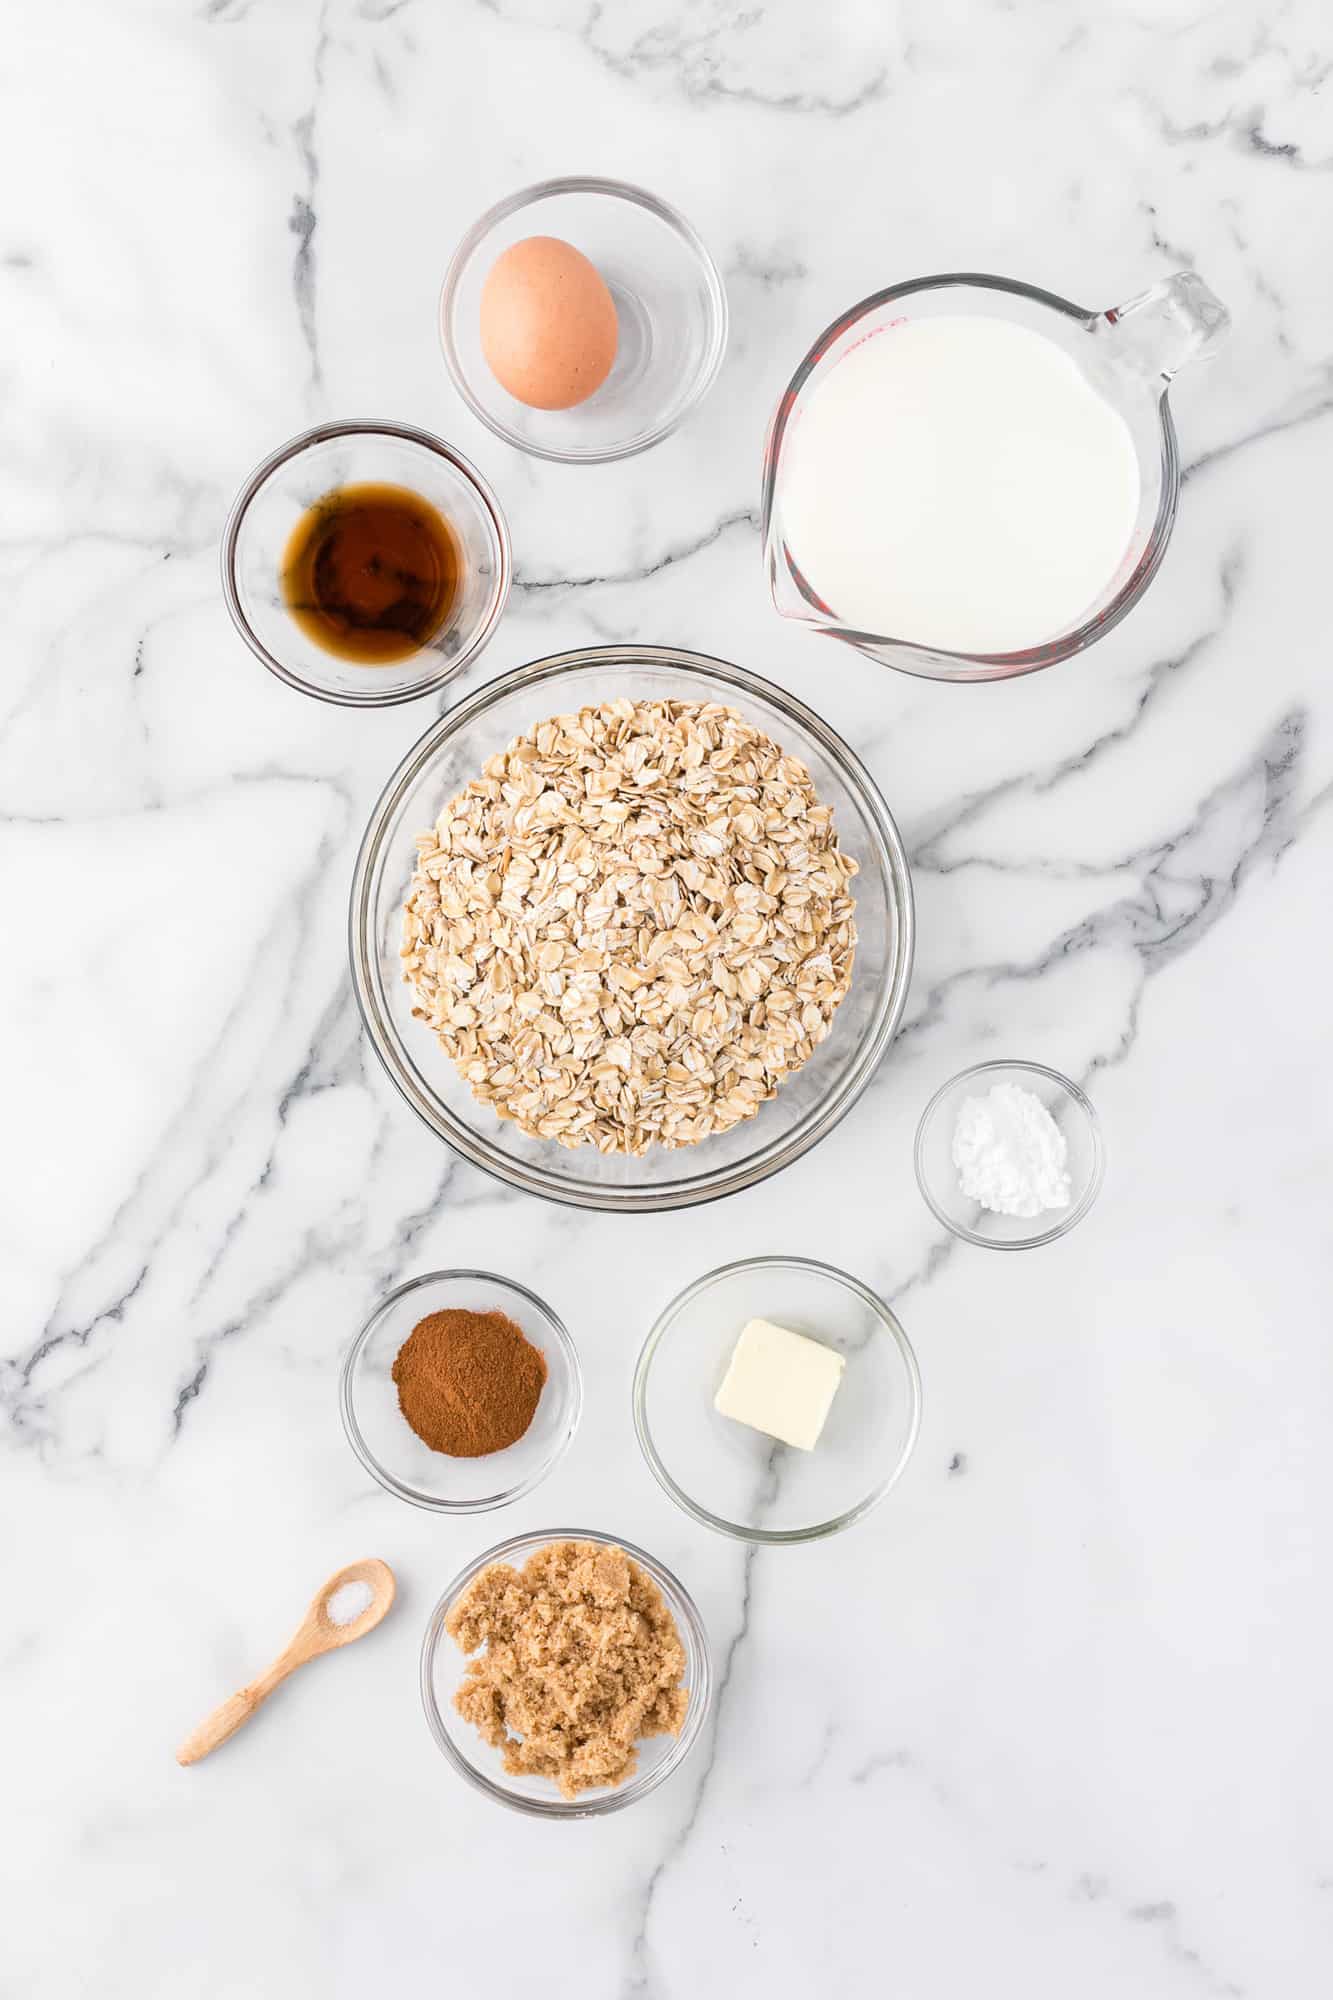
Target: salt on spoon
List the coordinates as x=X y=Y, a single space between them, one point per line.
x=351 y=1603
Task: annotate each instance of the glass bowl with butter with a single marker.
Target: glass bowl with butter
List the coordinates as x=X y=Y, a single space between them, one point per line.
x=777 y=1399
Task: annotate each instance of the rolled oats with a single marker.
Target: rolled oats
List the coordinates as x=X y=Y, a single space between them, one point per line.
x=632 y=925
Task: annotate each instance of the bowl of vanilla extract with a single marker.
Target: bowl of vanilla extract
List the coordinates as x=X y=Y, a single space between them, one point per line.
x=366 y=563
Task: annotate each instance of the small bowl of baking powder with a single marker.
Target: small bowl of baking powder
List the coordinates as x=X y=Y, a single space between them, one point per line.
x=1009 y=1155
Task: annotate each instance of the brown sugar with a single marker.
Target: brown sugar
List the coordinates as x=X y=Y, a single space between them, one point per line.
x=582 y=1658
x=469 y=1383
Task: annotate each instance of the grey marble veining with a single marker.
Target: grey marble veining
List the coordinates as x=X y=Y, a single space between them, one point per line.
x=1053 y=1720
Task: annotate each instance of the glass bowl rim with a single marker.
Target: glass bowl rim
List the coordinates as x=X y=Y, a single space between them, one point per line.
x=526 y=197
x=1076 y=1212
x=774 y=1537
x=434 y=1503
x=372 y=427
x=975 y=667
x=639 y=1787
x=532 y=1179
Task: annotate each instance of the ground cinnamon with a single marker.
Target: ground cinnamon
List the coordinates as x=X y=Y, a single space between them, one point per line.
x=469 y=1382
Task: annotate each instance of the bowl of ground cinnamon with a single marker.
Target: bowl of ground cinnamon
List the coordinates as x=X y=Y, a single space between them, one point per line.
x=461 y=1391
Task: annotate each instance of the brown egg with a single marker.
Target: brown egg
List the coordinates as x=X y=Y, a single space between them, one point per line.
x=548 y=324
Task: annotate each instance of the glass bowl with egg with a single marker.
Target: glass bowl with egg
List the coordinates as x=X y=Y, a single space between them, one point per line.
x=602 y=311
x=366 y=563
x=739 y=1479
x=810 y=1100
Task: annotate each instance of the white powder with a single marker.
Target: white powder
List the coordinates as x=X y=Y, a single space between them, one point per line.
x=348 y=1601
x=1010 y=1153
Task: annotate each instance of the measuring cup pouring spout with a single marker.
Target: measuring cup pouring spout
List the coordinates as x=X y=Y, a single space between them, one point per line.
x=1128 y=354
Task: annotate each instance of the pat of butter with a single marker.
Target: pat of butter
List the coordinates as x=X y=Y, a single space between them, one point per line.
x=781 y=1383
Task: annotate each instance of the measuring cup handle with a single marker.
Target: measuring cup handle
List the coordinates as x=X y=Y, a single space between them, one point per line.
x=1178 y=321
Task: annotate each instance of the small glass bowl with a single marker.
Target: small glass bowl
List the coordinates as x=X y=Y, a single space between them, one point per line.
x=390 y=1449
x=669 y=301
x=937 y=1176
x=442 y=1666
x=291 y=480
x=738 y=1480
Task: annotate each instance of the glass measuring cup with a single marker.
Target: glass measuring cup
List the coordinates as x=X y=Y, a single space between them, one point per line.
x=1129 y=353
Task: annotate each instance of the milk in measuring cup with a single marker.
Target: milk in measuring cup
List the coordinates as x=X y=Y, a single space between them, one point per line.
x=957 y=483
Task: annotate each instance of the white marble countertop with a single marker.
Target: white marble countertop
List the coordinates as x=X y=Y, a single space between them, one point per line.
x=1054 y=1720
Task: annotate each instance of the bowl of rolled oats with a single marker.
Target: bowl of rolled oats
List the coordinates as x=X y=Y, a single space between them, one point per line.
x=631 y=928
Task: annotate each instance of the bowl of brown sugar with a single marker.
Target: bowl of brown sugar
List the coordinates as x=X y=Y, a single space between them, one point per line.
x=566 y=1673
x=461 y=1391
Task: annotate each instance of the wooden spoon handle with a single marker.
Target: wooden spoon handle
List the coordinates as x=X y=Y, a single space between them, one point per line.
x=228 y=1716
x=225 y=1720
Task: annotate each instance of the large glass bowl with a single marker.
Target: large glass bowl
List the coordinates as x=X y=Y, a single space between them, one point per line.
x=810 y=1102
x=443 y=1667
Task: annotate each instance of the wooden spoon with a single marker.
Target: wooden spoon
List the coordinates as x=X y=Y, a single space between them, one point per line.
x=318 y=1633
